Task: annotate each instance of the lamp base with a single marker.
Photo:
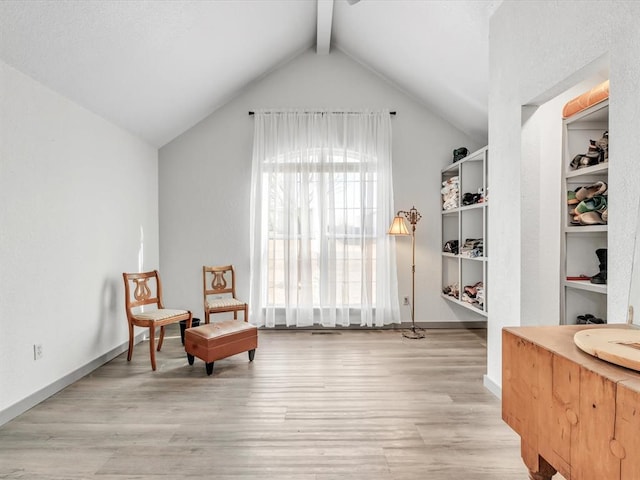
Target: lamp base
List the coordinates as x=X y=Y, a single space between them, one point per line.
x=414 y=333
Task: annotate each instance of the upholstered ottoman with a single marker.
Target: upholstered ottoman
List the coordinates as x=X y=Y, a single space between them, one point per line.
x=215 y=341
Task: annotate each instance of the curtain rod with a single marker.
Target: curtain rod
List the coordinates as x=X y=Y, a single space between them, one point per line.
x=390 y=113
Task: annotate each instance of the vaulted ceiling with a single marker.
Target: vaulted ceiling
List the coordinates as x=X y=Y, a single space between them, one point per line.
x=157 y=67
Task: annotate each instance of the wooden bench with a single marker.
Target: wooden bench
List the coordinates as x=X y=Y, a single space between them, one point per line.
x=218 y=340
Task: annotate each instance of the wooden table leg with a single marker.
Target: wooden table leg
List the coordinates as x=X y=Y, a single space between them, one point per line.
x=539 y=468
x=545 y=471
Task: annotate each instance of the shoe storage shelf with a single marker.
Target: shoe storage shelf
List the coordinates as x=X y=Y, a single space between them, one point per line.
x=464 y=232
x=583 y=235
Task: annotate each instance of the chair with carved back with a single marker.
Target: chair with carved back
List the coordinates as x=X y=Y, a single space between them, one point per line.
x=142 y=290
x=219 y=288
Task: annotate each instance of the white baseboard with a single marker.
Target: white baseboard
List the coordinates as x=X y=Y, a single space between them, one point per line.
x=492 y=386
x=34 y=399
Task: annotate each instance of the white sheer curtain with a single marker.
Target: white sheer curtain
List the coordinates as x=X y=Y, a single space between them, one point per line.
x=321 y=204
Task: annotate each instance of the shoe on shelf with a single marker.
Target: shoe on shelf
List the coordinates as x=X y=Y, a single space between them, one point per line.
x=471 y=198
x=600 y=278
x=583 y=319
x=451 y=246
x=596 y=151
x=575 y=162
x=588 y=319
x=603 y=144
x=596 y=204
x=571 y=198
x=587 y=160
x=472 y=290
x=590 y=191
x=588 y=218
x=596 y=321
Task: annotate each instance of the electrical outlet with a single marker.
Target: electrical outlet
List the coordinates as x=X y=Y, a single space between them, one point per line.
x=37 y=351
x=405 y=301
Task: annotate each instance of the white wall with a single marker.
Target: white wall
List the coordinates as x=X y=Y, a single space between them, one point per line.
x=75 y=194
x=205 y=177
x=537 y=51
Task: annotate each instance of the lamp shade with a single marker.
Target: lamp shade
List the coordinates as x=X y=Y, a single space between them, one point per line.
x=398 y=227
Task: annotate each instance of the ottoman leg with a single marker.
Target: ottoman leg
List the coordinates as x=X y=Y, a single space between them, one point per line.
x=252 y=353
x=190 y=358
x=209 y=368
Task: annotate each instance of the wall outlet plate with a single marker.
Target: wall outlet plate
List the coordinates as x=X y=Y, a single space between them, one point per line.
x=37 y=351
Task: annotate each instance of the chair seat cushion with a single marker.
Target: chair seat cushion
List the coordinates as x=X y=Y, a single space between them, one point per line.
x=224 y=302
x=160 y=314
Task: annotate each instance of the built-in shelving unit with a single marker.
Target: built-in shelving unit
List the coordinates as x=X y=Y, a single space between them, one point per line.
x=461 y=223
x=580 y=242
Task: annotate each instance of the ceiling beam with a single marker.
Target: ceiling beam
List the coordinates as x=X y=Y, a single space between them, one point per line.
x=325 y=19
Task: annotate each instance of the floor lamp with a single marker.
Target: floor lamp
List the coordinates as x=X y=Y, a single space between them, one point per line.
x=399 y=227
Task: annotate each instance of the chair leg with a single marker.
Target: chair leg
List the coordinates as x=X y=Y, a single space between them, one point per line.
x=152 y=350
x=235 y=314
x=246 y=313
x=161 y=337
x=130 y=353
x=206 y=317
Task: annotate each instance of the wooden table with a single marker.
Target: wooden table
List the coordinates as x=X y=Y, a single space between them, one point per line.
x=575 y=414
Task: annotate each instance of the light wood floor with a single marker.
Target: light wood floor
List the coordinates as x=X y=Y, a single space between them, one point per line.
x=349 y=405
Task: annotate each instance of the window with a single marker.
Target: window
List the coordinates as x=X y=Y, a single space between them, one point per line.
x=331 y=237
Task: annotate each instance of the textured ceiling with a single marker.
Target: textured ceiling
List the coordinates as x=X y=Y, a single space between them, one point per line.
x=156 y=68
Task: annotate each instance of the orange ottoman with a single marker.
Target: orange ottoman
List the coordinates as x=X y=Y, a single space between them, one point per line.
x=215 y=341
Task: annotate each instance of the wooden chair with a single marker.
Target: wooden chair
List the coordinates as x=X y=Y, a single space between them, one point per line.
x=219 y=296
x=139 y=293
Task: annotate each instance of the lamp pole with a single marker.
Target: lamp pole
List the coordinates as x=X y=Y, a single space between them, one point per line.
x=413 y=277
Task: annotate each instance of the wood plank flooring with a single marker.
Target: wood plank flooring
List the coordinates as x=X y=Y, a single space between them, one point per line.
x=314 y=405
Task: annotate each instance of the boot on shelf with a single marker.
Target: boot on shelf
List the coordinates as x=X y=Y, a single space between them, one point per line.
x=601 y=277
